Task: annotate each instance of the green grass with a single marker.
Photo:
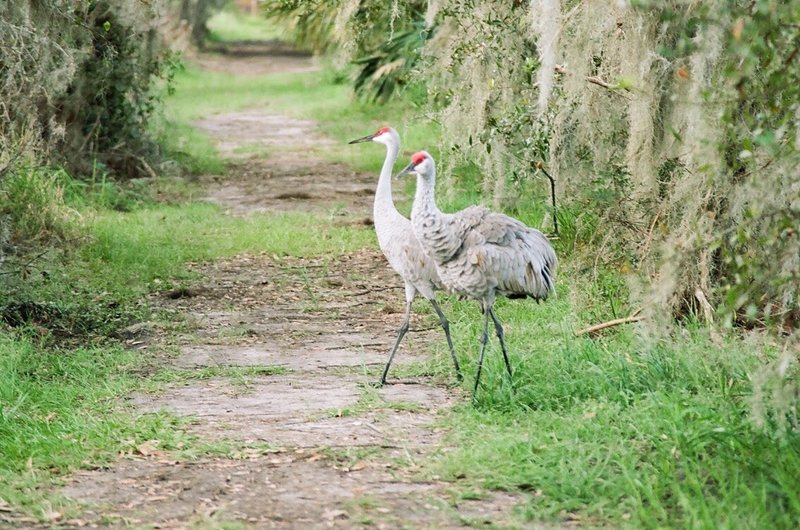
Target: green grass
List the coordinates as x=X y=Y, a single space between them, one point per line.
x=58 y=412
x=62 y=376
x=619 y=431
x=232 y=25
x=321 y=96
x=192 y=149
x=97 y=286
x=154 y=243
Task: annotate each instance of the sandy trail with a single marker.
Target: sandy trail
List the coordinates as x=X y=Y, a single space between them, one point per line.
x=315 y=446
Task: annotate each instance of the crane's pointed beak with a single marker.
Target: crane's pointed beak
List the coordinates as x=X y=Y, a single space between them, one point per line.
x=364 y=139
x=406 y=170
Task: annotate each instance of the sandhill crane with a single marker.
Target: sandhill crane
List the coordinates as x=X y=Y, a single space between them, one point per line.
x=401 y=248
x=480 y=254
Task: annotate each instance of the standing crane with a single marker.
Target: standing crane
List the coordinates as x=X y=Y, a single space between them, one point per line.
x=480 y=254
x=401 y=248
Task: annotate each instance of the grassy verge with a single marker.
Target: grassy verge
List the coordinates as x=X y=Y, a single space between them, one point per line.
x=59 y=413
x=623 y=431
x=100 y=248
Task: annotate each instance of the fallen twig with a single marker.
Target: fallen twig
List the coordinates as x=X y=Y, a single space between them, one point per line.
x=376 y=289
x=146 y=166
x=24 y=267
x=610 y=323
x=599 y=81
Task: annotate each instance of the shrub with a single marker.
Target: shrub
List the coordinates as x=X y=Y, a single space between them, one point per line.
x=384 y=45
x=671 y=126
x=76 y=82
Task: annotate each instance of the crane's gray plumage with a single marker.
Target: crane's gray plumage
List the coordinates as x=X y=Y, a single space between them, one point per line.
x=480 y=254
x=401 y=248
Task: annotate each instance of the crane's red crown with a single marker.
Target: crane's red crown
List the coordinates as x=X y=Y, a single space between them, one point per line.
x=417 y=158
x=382 y=130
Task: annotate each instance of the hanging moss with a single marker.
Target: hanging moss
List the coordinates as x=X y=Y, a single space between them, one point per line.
x=708 y=90
x=670 y=126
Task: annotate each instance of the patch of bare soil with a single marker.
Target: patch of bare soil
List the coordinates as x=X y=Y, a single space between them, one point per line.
x=274 y=167
x=320 y=449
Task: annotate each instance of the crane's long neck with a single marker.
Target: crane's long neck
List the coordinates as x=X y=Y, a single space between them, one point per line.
x=431 y=227
x=425 y=197
x=384 y=204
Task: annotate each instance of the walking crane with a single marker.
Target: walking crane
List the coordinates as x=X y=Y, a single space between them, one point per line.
x=480 y=254
x=401 y=248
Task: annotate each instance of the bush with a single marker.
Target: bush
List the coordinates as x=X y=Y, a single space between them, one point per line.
x=76 y=82
x=384 y=45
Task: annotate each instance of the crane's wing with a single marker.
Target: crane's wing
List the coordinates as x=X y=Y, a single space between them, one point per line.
x=418 y=267
x=519 y=260
x=467 y=220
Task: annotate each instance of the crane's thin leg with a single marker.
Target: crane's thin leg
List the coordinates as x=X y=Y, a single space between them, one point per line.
x=484 y=340
x=499 y=329
x=401 y=333
x=446 y=327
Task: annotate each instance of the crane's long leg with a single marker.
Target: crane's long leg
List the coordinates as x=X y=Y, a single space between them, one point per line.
x=446 y=327
x=499 y=329
x=401 y=333
x=484 y=340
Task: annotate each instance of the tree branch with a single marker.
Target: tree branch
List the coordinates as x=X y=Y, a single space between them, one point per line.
x=596 y=80
x=540 y=167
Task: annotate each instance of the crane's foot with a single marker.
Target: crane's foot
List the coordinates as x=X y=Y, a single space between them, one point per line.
x=475 y=397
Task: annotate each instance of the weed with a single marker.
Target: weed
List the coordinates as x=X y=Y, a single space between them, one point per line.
x=349 y=456
x=32 y=204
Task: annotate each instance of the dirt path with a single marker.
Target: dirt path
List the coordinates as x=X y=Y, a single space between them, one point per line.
x=273 y=361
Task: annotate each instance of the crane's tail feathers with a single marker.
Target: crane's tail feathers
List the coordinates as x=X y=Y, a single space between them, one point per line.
x=549 y=278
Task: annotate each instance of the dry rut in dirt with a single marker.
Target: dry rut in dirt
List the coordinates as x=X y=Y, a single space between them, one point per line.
x=318 y=448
